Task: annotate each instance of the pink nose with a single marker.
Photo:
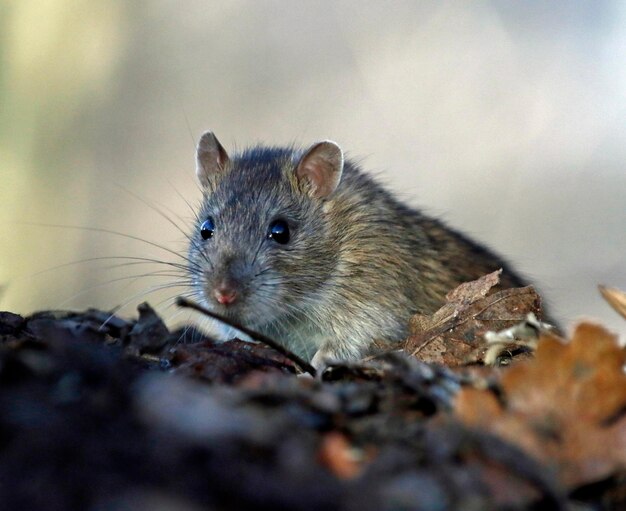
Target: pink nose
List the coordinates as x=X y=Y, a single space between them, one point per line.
x=225 y=295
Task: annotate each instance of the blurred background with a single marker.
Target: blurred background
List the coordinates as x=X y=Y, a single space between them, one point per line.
x=506 y=119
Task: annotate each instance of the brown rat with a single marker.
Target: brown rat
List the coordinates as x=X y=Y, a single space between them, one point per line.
x=305 y=248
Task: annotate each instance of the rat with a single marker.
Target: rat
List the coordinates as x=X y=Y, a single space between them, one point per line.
x=306 y=248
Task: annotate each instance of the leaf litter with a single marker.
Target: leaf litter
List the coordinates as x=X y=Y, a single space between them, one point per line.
x=98 y=412
x=454 y=335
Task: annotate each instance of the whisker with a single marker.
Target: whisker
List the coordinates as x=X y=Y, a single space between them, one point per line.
x=139 y=260
x=195 y=243
x=193 y=138
x=157 y=210
x=145 y=292
x=181 y=283
x=194 y=210
x=117 y=233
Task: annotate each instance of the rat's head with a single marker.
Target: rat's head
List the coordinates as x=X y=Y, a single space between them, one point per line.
x=262 y=246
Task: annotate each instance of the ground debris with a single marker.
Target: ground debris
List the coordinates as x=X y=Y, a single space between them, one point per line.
x=566 y=407
x=454 y=335
x=10 y=324
x=226 y=362
x=149 y=334
x=102 y=413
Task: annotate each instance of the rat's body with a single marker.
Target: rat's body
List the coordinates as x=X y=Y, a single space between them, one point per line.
x=309 y=250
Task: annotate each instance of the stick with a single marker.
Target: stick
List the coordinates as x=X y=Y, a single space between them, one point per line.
x=302 y=364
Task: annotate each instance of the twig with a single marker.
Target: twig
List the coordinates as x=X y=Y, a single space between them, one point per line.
x=303 y=364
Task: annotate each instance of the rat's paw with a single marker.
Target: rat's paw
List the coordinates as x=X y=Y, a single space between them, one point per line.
x=323 y=358
x=334 y=354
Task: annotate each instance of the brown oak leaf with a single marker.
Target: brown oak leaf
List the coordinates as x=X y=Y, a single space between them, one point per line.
x=566 y=407
x=453 y=335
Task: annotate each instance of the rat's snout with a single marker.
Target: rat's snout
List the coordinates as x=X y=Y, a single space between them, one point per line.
x=226 y=284
x=225 y=293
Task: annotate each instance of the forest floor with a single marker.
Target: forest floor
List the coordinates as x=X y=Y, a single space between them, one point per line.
x=480 y=408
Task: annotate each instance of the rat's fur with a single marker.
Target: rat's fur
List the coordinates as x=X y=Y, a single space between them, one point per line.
x=359 y=262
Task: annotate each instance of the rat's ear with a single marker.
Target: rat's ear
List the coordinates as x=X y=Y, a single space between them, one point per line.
x=321 y=166
x=211 y=159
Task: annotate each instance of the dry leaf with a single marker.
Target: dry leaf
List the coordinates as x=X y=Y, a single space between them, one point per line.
x=454 y=334
x=566 y=407
x=337 y=454
x=616 y=299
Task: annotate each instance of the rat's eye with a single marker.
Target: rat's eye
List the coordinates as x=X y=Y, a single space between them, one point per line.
x=279 y=232
x=207 y=228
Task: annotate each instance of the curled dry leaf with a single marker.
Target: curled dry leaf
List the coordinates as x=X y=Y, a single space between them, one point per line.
x=616 y=299
x=453 y=335
x=566 y=407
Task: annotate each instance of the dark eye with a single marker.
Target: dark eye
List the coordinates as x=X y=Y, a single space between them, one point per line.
x=207 y=228
x=279 y=232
